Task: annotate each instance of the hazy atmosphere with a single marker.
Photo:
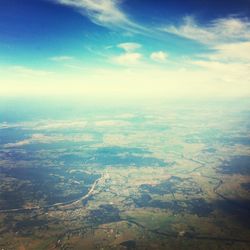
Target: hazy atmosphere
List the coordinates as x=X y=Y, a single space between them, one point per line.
x=124 y=124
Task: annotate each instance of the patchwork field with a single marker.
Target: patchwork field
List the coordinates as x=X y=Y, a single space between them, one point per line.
x=165 y=178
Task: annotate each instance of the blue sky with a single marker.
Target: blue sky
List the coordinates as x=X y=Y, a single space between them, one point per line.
x=131 y=46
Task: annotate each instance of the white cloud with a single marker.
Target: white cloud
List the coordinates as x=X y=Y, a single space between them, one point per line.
x=223 y=30
x=102 y=12
x=159 y=56
x=228 y=41
x=128 y=47
x=61 y=58
x=127 y=58
x=106 y=13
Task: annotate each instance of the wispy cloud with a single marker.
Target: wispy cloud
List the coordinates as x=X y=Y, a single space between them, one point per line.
x=223 y=30
x=61 y=58
x=228 y=43
x=128 y=47
x=159 y=56
x=105 y=13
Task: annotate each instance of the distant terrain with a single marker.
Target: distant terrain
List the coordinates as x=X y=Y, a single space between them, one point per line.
x=153 y=177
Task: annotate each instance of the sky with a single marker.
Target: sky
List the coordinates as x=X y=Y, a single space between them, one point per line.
x=125 y=48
